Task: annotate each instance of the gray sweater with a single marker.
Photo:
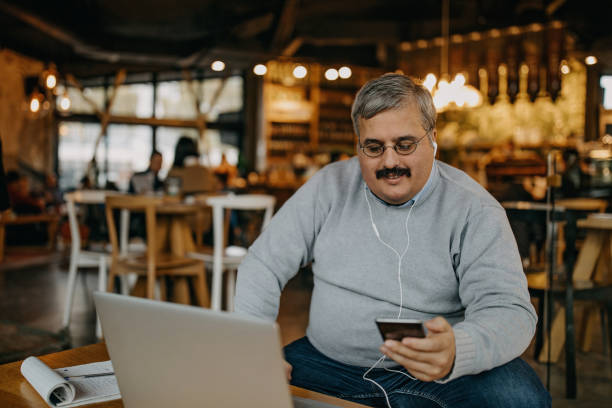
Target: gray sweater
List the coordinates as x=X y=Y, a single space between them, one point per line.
x=462 y=263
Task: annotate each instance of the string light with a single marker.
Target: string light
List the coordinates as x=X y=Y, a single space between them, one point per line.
x=345 y=72
x=300 y=71
x=34 y=103
x=591 y=60
x=64 y=102
x=430 y=82
x=331 y=74
x=51 y=81
x=217 y=66
x=565 y=69
x=456 y=93
x=49 y=76
x=260 y=69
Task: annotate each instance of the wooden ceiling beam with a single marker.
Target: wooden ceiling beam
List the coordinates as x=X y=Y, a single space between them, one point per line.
x=87 y=50
x=285 y=26
x=359 y=30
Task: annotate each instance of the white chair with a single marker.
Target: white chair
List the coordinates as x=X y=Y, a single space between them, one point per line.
x=227 y=259
x=85 y=259
x=78 y=257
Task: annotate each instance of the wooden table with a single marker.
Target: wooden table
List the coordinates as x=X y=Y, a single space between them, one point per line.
x=173 y=235
x=585 y=278
x=16 y=392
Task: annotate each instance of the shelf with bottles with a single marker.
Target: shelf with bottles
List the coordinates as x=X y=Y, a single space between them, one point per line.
x=339 y=132
x=289 y=131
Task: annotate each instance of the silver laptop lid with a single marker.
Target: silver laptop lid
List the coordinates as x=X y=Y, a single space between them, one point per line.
x=170 y=355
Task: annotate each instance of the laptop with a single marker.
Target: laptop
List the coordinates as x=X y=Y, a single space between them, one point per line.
x=170 y=355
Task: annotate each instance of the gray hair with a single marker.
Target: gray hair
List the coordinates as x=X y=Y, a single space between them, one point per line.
x=393 y=91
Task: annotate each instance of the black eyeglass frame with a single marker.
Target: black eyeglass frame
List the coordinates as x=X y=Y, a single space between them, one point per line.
x=395 y=147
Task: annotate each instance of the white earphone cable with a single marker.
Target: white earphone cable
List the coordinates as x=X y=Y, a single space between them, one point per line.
x=399 y=277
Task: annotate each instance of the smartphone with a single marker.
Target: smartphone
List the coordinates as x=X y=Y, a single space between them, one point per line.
x=397 y=329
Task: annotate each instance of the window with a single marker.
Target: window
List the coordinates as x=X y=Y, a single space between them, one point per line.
x=175 y=100
x=76 y=143
x=229 y=100
x=78 y=103
x=606 y=84
x=133 y=100
x=126 y=150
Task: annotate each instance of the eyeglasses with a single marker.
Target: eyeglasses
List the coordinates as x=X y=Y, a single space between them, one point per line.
x=403 y=148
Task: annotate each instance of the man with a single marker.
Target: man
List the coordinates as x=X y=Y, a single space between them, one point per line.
x=148 y=181
x=393 y=233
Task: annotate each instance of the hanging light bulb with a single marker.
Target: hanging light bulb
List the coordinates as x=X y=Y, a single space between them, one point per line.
x=64 y=102
x=51 y=81
x=565 y=69
x=345 y=72
x=50 y=76
x=36 y=101
x=430 y=82
x=34 y=105
x=218 y=66
x=260 y=69
x=300 y=71
x=331 y=74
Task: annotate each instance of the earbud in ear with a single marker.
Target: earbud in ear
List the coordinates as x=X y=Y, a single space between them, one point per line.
x=435 y=146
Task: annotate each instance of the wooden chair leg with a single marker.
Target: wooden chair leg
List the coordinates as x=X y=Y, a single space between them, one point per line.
x=111 y=280
x=590 y=318
x=557 y=339
x=163 y=290
x=201 y=288
x=180 y=292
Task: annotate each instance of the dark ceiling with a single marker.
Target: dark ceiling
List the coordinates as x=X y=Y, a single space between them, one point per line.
x=96 y=37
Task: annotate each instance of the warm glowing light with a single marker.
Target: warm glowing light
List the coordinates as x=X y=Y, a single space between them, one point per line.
x=63 y=129
x=459 y=79
x=64 y=102
x=260 y=69
x=51 y=81
x=565 y=69
x=34 y=105
x=345 y=72
x=591 y=60
x=331 y=74
x=524 y=69
x=218 y=66
x=456 y=93
x=300 y=71
x=421 y=44
x=430 y=82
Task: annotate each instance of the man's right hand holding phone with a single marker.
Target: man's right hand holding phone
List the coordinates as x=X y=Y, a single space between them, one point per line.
x=427 y=359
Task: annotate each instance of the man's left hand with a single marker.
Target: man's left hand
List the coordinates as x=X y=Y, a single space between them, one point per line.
x=429 y=358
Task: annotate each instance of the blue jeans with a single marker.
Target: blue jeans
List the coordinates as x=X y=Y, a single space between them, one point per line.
x=514 y=384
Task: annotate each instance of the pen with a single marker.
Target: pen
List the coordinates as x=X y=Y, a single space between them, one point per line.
x=89 y=375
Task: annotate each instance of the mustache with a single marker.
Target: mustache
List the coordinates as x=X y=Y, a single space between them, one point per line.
x=393 y=172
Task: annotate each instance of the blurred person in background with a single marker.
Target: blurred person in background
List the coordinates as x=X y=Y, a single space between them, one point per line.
x=185 y=152
x=148 y=181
